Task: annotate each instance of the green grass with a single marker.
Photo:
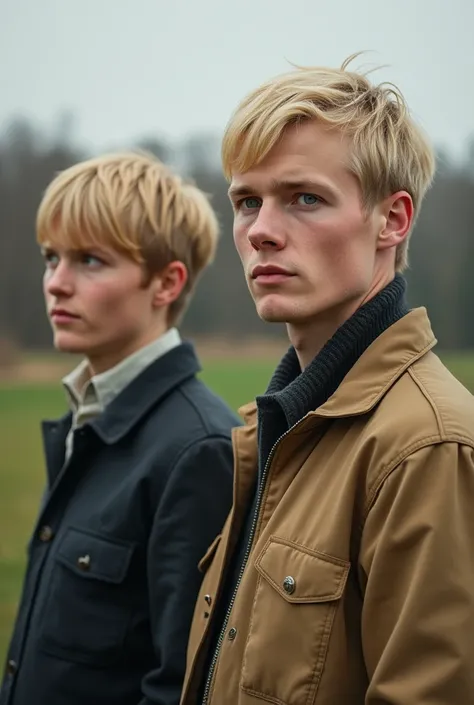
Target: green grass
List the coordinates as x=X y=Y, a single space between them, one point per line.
x=21 y=460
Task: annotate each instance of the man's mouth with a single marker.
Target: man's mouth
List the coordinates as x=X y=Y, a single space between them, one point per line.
x=270 y=274
x=62 y=315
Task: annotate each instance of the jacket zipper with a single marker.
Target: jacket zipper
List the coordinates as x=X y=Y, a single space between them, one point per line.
x=261 y=489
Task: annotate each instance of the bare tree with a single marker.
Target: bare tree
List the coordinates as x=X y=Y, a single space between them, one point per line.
x=442 y=247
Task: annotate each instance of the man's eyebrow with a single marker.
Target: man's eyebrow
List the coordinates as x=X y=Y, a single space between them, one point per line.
x=276 y=185
x=236 y=191
x=287 y=184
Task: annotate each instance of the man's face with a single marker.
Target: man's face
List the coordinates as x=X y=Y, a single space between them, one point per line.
x=97 y=304
x=308 y=247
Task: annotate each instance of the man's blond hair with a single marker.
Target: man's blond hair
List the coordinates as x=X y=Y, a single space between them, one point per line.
x=135 y=204
x=390 y=152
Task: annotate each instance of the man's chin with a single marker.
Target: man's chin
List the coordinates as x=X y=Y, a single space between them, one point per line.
x=66 y=344
x=272 y=314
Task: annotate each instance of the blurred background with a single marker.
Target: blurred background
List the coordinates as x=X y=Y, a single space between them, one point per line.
x=82 y=77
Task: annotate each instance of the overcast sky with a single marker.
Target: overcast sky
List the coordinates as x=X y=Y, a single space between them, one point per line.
x=129 y=68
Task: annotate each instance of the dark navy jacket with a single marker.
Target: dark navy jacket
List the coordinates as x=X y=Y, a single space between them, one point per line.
x=112 y=574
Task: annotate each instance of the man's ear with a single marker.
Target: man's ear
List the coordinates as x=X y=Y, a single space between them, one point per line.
x=169 y=284
x=398 y=217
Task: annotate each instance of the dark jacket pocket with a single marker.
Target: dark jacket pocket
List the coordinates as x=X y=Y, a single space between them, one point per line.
x=87 y=612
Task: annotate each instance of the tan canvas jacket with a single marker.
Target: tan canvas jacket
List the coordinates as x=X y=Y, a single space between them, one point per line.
x=359 y=587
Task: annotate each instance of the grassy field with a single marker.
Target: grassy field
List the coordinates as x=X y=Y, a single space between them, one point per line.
x=21 y=463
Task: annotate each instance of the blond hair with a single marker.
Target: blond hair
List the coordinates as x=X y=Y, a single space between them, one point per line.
x=135 y=204
x=389 y=151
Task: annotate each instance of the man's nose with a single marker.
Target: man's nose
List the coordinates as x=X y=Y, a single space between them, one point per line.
x=60 y=280
x=267 y=230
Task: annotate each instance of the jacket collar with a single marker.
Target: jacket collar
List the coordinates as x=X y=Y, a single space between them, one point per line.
x=146 y=391
x=379 y=367
x=99 y=390
x=150 y=387
x=382 y=364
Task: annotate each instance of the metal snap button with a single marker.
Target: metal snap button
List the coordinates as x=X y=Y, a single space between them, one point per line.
x=11 y=668
x=289 y=585
x=208 y=599
x=84 y=562
x=45 y=534
x=232 y=634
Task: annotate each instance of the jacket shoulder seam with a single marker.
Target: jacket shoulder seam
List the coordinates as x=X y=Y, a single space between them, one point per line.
x=201 y=440
x=432 y=440
x=205 y=425
x=430 y=401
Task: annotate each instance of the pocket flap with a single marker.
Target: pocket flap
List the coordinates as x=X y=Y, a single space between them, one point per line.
x=301 y=574
x=209 y=555
x=95 y=557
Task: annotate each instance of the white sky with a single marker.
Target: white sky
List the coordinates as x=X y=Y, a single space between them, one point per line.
x=135 y=68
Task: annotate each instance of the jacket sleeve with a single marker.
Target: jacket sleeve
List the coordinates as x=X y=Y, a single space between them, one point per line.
x=417 y=557
x=191 y=514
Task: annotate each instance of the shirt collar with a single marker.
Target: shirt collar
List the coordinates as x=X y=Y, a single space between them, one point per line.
x=102 y=388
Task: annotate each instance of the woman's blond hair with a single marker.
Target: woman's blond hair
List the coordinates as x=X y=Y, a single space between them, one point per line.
x=389 y=151
x=135 y=204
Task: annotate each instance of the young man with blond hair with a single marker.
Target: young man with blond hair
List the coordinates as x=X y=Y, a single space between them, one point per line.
x=140 y=469
x=345 y=571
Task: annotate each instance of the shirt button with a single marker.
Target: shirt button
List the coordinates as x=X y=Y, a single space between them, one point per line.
x=11 y=668
x=232 y=634
x=45 y=534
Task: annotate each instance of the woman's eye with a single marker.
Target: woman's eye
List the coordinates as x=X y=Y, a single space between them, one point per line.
x=308 y=199
x=250 y=203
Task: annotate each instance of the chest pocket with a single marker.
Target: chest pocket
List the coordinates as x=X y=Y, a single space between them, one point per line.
x=298 y=594
x=87 y=613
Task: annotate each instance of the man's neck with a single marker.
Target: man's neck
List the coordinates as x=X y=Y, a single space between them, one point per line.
x=309 y=338
x=83 y=386
x=106 y=360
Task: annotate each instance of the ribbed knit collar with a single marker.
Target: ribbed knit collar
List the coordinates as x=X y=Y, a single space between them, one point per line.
x=296 y=392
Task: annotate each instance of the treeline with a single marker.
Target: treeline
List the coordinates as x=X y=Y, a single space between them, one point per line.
x=442 y=249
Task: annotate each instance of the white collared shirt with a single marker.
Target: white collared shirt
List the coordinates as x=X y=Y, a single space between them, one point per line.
x=88 y=396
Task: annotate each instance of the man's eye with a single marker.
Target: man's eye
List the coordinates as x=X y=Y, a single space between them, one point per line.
x=50 y=259
x=308 y=199
x=91 y=260
x=250 y=203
